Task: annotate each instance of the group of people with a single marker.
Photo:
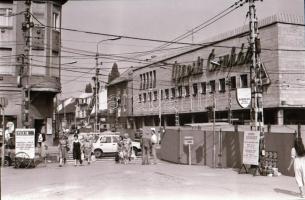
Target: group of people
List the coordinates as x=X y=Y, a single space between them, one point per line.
x=81 y=149
x=125 y=152
x=148 y=143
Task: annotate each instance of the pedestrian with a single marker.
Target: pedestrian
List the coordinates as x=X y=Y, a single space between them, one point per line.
x=298 y=161
x=127 y=146
x=119 y=154
x=146 y=146
x=77 y=151
x=63 y=148
x=43 y=152
x=40 y=139
x=153 y=145
x=87 y=146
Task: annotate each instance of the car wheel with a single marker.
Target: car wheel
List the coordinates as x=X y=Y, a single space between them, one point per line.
x=98 y=153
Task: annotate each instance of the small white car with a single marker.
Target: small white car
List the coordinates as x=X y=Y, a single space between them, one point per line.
x=108 y=145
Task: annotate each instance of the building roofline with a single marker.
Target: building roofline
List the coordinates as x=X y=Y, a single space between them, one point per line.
x=265 y=22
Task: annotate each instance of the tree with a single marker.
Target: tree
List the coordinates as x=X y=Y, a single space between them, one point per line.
x=114 y=73
x=88 y=88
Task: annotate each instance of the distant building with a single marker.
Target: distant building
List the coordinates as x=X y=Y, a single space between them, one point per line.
x=44 y=62
x=183 y=87
x=119 y=101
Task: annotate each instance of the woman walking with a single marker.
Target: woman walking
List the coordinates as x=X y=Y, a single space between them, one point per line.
x=77 y=150
x=298 y=161
x=87 y=150
x=63 y=148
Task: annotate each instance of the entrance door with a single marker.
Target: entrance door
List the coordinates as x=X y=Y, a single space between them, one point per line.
x=38 y=123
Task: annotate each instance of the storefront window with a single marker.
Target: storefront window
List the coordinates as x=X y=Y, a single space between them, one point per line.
x=195 y=89
x=244 y=81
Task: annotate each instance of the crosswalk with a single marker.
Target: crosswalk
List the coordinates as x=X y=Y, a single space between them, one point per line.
x=70 y=158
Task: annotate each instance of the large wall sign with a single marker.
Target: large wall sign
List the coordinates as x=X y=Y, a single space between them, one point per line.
x=243 y=96
x=251 y=147
x=25 y=142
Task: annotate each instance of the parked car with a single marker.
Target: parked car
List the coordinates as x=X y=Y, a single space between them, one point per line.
x=108 y=145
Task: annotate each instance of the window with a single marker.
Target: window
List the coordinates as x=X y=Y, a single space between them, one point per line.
x=222 y=85
x=155 y=95
x=166 y=93
x=232 y=83
x=195 y=89
x=187 y=91
x=144 y=82
x=203 y=88
x=244 y=81
x=141 y=82
x=56 y=25
x=5 y=17
x=140 y=98
x=150 y=78
x=162 y=95
x=5 y=57
x=115 y=139
x=54 y=71
x=147 y=80
x=106 y=139
x=144 y=97
x=154 y=78
x=149 y=96
x=179 y=91
x=212 y=86
x=173 y=93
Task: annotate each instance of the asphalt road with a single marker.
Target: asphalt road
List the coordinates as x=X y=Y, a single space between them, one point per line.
x=106 y=180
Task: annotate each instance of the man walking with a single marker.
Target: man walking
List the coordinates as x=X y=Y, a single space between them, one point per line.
x=154 y=142
x=146 y=145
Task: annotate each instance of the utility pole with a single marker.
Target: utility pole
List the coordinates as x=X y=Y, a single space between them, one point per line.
x=256 y=113
x=229 y=100
x=27 y=25
x=96 y=92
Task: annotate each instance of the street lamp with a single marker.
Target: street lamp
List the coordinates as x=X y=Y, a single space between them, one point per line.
x=96 y=80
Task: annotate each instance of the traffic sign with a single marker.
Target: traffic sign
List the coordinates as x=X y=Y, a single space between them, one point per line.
x=188 y=140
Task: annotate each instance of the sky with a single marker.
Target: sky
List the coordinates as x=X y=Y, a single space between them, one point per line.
x=153 y=19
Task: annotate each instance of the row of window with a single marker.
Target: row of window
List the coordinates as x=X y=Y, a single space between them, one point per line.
x=5 y=17
x=148 y=80
x=180 y=91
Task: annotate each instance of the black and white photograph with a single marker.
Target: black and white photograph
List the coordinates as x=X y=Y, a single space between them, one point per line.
x=152 y=99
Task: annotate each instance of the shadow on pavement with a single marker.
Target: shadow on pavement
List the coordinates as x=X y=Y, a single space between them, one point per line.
x=283 y=191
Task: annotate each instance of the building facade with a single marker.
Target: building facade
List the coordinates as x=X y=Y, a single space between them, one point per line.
x=119 y=101
x=183 y=88
x=43 y=74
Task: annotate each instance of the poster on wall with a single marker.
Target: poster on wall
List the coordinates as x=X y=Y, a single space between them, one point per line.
x=251 y=147
x=25 y=142
x=49 y=126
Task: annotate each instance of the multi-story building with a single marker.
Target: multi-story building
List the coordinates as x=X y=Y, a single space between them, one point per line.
x=43 y=55
x=83 y=110
x=119 y=101
x=187 y=85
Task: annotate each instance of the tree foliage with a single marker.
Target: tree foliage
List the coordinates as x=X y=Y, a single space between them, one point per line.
x=114 y=73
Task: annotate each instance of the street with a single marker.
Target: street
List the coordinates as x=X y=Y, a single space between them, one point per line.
x=106 y=180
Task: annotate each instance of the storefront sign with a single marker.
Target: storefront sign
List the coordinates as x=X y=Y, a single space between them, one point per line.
x=243 y=96
x=251 y=147
x=229 y=60
x=25 y=142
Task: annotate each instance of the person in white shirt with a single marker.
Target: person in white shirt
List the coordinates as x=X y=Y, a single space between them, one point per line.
x=153 y=145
